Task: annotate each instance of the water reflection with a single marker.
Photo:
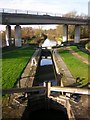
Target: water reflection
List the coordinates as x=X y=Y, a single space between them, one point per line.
x=45 y=61
x=49 y=43
x=45 y=70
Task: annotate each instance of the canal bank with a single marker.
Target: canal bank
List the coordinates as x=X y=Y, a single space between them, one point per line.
x=62 y=71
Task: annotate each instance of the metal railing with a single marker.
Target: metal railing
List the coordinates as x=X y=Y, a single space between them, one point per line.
x=18 y=11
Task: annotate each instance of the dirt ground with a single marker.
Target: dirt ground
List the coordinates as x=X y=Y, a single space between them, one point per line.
x=82 y=108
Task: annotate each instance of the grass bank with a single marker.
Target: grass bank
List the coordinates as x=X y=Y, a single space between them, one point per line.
x=13 y=63
x=80 y=52
x=76 y=67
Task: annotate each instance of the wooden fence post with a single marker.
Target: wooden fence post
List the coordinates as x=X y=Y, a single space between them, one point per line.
x=48 y=87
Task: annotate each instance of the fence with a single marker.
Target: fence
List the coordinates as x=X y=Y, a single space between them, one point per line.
x=18 y=11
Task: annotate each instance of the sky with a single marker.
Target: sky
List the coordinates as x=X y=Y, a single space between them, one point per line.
x=48 y=6
x=53 y=6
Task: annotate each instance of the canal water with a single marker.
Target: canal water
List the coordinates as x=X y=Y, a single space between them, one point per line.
x=49 y=43
x=45 y=71
x=50 y=114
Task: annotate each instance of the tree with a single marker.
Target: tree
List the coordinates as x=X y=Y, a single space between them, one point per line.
x=84 y=31
x=70 y=14
x=71 y=31
x=27 y=32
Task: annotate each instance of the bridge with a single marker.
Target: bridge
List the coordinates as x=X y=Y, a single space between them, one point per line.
x=29 y=19
x=15 y=18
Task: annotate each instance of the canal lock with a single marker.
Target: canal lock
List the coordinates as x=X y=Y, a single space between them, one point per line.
x=42 y=108
x=46 y=71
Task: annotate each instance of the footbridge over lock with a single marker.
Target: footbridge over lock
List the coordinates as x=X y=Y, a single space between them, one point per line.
x=47 y=101
x=15 y=18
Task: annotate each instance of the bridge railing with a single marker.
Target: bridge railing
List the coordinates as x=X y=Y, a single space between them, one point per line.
x=18 y=11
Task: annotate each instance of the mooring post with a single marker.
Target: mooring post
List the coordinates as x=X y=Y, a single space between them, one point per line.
x=48 y=90
x=62 y=86
x=48 y=87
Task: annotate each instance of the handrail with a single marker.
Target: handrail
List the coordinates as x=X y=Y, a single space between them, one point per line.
x=70 y=90
x=20 y=90
x=18 y=11
x=48 y=89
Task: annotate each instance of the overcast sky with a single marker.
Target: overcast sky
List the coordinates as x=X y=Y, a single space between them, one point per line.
x=52 y=6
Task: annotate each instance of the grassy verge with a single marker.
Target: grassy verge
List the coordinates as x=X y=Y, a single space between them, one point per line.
x=80 y=52
x=76 y=67
x=13 y=63
x=8 y=49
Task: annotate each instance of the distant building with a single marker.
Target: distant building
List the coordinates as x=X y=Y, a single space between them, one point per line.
x=89 y=8
x=89 y=16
